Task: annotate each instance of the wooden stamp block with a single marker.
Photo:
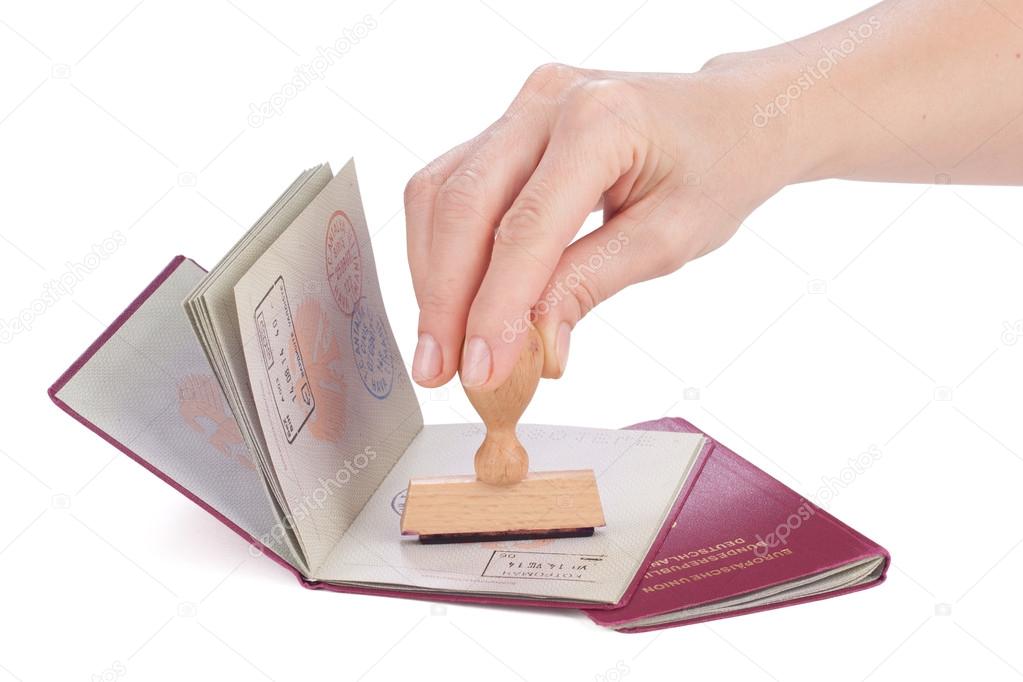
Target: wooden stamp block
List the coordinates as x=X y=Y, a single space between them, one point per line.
x=543 y=502
x=502 y=501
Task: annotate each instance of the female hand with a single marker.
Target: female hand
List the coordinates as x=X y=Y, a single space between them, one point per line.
x=675 y=162
x=908 y=90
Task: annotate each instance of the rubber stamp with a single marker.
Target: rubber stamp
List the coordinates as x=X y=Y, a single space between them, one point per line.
x=504 y=500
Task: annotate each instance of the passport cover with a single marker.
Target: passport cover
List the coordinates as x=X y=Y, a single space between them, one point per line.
x=741 y=531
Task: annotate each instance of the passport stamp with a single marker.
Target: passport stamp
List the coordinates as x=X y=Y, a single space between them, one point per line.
x=344 y=262
x=544 y=566
x=371 y=350
x=282 y=360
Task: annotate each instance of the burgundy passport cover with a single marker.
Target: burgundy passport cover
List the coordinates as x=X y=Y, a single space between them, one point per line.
x=708 y=555
x=729 y=499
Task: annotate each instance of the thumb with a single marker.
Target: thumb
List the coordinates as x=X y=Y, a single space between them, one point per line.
x=625 y=250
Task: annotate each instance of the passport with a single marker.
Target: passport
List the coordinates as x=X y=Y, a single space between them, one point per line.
x=270 y=392
x=744 y=542
x=270 y=389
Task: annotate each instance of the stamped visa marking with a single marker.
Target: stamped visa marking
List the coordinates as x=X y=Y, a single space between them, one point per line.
x=371 y=350
x=282 y=360
x=344 y=262
x=581 y=568
x=398 y=501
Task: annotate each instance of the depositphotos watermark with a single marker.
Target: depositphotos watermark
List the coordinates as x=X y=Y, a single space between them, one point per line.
x=111 y=673
x=61 y=287
x=831 y=487
x=1012 y=332
x=816 y=72
x=316 y=498
x=616 y=673
x=564 y=287
x=310 y=72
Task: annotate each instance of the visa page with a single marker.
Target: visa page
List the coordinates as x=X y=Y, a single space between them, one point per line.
x=335 y=404
x=639 y=474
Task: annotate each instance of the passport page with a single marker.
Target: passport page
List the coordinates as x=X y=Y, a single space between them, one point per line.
x=639 y=473
x=337 y=408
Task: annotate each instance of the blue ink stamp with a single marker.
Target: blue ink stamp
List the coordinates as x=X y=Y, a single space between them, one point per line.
x=371 y=350
x=398 y=502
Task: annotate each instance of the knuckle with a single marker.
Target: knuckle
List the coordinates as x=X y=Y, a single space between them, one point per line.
x=609 y=89
x=522 y=224
x=587 y=293
x=419 y=186
x=438 y=301
x=584 y=111
x=461 y=193
x=597 y=100
x=548 y=75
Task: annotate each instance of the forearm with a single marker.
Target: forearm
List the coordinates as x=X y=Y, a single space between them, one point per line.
x=910 y=91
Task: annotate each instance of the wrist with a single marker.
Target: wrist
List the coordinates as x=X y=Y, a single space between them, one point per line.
x=790 y=112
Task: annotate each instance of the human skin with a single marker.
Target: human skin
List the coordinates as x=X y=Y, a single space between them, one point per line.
x=907 y=91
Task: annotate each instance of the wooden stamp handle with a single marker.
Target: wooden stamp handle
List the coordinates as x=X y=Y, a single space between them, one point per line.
x=501 y=459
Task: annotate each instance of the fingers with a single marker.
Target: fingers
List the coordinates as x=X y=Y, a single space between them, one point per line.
x=420 y=196
x=588 y=152
x=535 y=104
x=466 y=209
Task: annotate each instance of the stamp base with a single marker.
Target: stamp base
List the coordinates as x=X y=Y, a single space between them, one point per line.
x=542 y=504
x=450 y=538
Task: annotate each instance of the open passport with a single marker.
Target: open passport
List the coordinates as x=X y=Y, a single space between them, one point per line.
x=269 y=390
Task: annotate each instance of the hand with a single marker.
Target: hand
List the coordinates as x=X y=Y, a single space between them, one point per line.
x=674 y=160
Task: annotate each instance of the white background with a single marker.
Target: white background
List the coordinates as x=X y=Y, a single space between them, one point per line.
x=842 y=316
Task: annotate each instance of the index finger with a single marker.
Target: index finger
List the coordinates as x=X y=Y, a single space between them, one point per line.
x=467 y=207
x=583 y=159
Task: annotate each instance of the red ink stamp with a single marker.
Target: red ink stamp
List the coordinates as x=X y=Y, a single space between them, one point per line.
x=344 y=262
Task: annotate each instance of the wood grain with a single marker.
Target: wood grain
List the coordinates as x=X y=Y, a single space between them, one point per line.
x=501 y=459
x=549 y=500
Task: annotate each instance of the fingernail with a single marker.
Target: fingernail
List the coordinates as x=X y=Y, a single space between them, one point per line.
x=476 y=362
x=426 y=363
x=561 y=345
